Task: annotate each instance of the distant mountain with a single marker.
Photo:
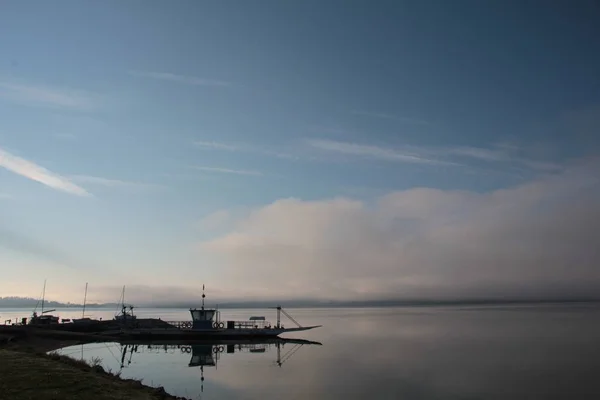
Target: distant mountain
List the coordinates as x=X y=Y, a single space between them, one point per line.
x=29 y=302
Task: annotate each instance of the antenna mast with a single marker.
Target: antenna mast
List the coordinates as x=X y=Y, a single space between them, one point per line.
x=43 y=296
x=203 y=296
x=84 y=300
x=123 y=300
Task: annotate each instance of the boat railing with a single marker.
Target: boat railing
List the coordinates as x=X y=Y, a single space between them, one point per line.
x=257 y=324
x=181 y=324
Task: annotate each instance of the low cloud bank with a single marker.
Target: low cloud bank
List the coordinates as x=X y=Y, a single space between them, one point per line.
x=537 y=240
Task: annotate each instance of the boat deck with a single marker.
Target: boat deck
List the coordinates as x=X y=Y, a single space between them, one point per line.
x=188 y=325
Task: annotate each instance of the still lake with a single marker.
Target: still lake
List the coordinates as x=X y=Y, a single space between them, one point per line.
x=483 y=352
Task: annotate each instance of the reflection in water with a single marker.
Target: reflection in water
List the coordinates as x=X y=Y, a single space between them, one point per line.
x=202 y=353
x=425 y=353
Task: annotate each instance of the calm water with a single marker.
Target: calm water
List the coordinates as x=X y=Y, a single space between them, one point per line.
x=516 y=352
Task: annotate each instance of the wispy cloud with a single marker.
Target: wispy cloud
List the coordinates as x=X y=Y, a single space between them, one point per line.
x=502 y=154
x=215 y=145
x=406 y=120
x=475 y=152
x=25 y=243
x=510 y=155
x=451 y=156
x=229 y=171
x=245 y=148
x=44 y=96
x=39 y=174
x=30 y=244
x=188 y=80
x=115 y=183
x=376 y=152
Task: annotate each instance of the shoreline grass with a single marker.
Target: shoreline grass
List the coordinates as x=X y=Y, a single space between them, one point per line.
x=28 y=372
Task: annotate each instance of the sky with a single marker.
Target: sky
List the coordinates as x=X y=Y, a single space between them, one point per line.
x=331 y=150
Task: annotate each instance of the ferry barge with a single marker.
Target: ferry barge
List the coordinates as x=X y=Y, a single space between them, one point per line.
x=206 y=324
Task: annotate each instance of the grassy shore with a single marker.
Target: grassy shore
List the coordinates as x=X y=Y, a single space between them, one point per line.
x=26 y=373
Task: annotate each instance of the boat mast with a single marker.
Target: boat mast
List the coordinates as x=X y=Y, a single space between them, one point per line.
x=278 y=317
x=43 y=296
x=281 y=310
x=123 y=300
x=203 y=296
x=84 y=300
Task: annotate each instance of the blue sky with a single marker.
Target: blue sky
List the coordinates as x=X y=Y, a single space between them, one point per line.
x=133 y=134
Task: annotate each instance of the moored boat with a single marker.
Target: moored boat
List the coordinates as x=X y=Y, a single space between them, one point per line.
x=206 y=323
x=44 y=318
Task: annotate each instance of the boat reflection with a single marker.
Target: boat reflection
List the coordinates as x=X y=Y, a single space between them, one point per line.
x=208 y=353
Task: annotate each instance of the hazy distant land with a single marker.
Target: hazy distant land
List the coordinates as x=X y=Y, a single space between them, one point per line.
x=28 y=302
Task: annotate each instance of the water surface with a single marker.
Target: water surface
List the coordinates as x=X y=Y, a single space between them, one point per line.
x=493 y=352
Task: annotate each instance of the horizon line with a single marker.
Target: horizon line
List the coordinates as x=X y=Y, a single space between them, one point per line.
x=325 y=303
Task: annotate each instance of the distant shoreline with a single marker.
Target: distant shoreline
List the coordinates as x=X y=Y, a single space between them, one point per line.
x=27 y=304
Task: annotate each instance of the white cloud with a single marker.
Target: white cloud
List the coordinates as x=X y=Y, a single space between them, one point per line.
x=44 y=96
x=229 y=171
x=188 y=80
x=94 y=180
x=539 y=239
x=215 y=220
x=375 y=152
x=39 y=174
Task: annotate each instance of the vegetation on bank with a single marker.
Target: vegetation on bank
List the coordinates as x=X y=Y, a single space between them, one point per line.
x=26 y=374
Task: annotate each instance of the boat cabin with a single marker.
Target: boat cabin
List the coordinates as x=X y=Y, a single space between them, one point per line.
x=202 y=355
x=43 y=319
x=125 y=316
x=209 y=319
x=202 y=318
